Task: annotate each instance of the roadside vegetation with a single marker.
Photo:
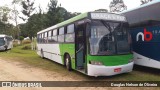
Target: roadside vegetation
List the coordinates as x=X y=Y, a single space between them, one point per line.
x=23 y=53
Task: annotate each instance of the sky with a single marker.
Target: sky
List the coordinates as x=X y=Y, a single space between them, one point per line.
x=77 y=5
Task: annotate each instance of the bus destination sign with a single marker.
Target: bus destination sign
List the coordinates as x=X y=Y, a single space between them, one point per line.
x=108 y=16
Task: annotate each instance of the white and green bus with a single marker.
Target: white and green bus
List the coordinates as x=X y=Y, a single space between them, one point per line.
x=96 y=44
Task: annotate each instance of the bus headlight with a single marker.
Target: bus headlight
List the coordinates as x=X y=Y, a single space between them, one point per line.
x=96 y=63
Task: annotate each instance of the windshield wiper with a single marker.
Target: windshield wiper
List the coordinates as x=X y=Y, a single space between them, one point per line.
x=107 y=26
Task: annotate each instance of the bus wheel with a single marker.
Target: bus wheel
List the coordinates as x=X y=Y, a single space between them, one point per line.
x=42 y=55
x=68 y=63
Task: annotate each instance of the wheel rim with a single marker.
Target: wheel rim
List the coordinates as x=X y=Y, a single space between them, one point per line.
x=67 y=63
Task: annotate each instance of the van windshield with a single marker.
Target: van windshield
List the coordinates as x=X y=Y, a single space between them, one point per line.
x=2 y=42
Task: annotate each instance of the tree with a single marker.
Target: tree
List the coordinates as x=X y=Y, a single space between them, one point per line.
x=6 y=28
x=21 y=38
x=40 y=20
x=35 y=23
x=101 y=10
x=53 y=14
x=28 y=9
x=15 y=15
x=4 y=13
x=145 y=1
x=117 y=6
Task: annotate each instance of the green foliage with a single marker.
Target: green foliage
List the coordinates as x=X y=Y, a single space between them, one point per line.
x=55 y=13
x=4 y=11
x=6 y=28
x=40 y=21
x=35 y=22
x=28 y=8
x=21 y=38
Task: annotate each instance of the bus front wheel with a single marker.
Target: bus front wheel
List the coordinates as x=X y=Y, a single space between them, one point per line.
x=68 y=62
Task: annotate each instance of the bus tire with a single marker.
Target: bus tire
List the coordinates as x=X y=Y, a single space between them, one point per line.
x=42 y=55
x=68 y=62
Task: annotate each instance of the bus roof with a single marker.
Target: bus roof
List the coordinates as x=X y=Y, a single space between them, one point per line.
x=2 y=35
x=90 y=15
x=146 y=12
x=81 y=16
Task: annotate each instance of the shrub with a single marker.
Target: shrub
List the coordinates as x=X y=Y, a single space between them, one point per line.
x=16 y=43
x=26 y=47
x=21 y=38
x=26 y=41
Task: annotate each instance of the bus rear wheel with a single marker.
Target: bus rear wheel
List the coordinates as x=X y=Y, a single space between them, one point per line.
x=68 y=62
x=42 y=55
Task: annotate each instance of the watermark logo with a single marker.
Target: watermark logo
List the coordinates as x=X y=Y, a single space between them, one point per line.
x=146 y=35
x=6 y=84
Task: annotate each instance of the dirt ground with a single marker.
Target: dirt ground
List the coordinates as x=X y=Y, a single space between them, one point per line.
x=16 y=71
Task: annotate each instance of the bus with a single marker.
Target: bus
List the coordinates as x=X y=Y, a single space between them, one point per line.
x=6 y=42
x=93 y=43
x=145 y=32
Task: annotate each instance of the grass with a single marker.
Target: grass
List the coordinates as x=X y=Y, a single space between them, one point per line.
x=31 y=58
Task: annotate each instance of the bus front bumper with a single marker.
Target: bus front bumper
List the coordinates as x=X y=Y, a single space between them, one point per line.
x=2 y=48
x=97 y=70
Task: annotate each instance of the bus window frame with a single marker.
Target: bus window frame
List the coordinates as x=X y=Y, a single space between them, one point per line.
x=72 y=33
x=59 y=35
x=115 y=39
x=56 y=35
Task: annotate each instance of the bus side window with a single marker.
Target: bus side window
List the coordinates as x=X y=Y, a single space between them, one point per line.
x=54 y=36
x=61 y=35
x=43 y=40
x=38 y=38
x=49 y=36
x=46 y=37
x=70 y=36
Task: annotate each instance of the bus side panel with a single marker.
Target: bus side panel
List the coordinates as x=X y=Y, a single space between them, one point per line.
x=70 y=49
x=146 y=45
x=50 y=51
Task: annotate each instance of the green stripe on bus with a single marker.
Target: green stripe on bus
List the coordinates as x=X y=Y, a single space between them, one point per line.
x=111 y=60
x=70 y=49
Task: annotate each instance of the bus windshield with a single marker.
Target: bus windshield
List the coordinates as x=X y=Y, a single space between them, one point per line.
x=2 y=41
x=109 y=38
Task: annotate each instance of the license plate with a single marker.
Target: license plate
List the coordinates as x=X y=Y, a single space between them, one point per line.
x=117 y=69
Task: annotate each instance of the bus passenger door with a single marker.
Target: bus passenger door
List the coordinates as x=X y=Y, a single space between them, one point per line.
x=80 y=46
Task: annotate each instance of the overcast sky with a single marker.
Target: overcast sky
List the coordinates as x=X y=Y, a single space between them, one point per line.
x=78 y=5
